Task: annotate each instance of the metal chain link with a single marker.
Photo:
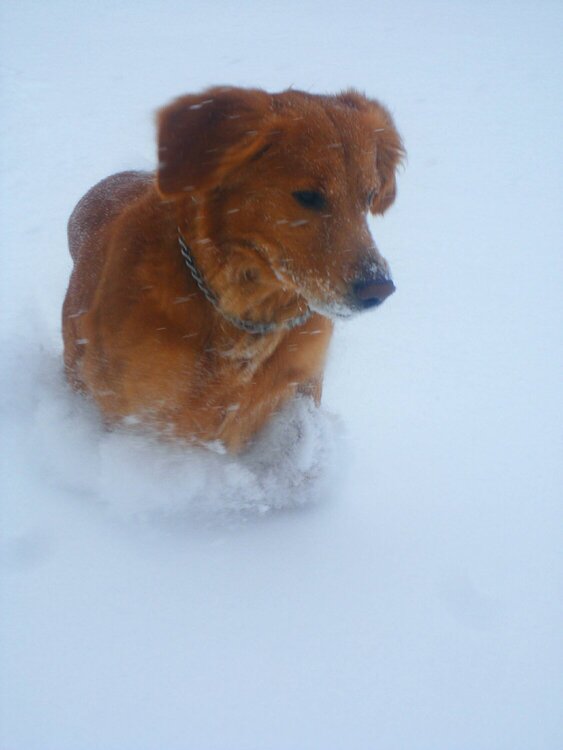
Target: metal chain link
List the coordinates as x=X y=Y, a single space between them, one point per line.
x=248 y=326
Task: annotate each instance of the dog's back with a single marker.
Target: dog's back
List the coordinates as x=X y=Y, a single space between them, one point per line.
x=101 y=204
x=93 y=213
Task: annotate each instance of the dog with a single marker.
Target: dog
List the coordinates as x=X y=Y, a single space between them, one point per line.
x=203 y=297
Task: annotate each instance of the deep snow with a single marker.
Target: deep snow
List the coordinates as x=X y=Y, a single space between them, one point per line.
x=417 y=603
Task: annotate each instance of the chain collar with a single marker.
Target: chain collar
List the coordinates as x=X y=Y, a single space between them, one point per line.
x=248 y=326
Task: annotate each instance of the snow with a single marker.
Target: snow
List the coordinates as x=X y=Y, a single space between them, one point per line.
x=407 y=594
x=294 y=462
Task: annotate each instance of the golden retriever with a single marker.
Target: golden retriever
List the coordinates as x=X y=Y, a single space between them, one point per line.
x=203 y=296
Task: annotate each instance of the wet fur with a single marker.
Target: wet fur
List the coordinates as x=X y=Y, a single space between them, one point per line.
x=140 y=337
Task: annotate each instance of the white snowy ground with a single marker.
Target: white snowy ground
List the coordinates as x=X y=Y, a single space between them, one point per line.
x=417 y=606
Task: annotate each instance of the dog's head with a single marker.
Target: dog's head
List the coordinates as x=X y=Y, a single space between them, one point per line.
x=283 y=184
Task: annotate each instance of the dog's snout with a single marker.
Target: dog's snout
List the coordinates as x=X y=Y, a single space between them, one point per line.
x=373 y=292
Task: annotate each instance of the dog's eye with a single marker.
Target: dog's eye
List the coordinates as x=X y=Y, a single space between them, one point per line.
x=310 y=199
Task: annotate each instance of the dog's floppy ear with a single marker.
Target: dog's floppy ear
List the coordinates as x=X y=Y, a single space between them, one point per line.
x=389 y=147
x=202 y=137
x=388 y=157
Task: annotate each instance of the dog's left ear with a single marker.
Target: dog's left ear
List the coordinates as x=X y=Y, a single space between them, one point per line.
x=388 y=157
x=389 y=146
x=203 y=137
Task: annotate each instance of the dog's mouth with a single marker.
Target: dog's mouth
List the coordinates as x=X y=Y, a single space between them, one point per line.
x=363 y=296
x=333 y=310
x=353 y=297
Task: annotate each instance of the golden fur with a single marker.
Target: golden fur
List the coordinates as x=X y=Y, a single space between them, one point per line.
x=270 y=193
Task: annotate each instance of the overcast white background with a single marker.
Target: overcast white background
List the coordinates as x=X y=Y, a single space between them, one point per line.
x=417 y=604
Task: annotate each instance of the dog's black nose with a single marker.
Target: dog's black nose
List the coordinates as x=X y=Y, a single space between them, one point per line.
x=373 y=292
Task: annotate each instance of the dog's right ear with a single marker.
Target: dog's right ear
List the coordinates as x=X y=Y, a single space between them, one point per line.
x=203 y=137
